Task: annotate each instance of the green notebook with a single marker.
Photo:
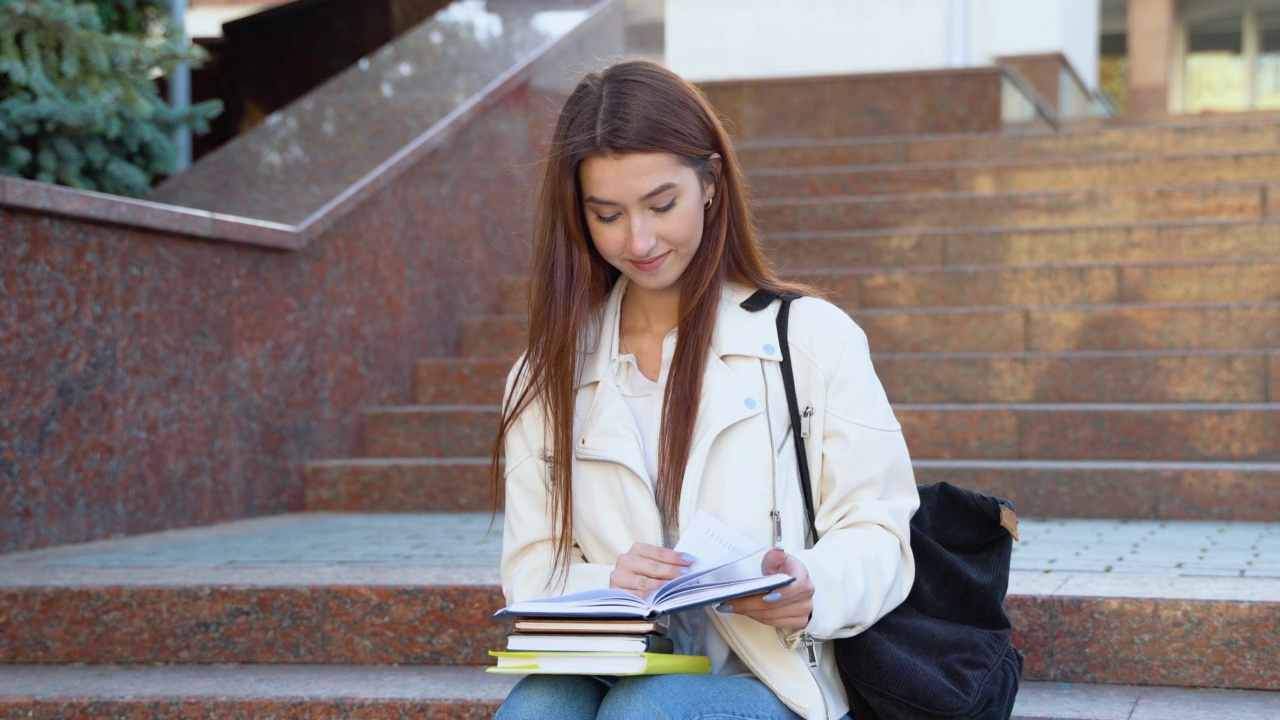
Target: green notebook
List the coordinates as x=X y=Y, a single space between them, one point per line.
x=598 y=663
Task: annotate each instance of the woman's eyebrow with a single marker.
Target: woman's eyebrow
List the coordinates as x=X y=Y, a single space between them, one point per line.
x=652 y=193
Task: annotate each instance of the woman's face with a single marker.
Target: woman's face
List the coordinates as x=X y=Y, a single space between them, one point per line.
x=645 y=213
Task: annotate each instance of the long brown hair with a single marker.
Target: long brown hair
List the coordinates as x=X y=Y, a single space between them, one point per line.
x=631 y=107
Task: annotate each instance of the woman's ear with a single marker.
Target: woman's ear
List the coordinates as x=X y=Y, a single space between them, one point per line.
x=711 y=178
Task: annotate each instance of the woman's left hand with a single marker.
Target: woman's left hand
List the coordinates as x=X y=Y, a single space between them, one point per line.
x=790 y=606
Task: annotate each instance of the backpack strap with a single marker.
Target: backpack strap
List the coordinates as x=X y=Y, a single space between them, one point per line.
x=759 y=301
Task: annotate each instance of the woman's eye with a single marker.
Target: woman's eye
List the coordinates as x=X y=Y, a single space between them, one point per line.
x=607 y=219
x=666 y=207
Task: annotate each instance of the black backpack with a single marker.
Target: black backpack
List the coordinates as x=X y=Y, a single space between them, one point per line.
x=945 y=652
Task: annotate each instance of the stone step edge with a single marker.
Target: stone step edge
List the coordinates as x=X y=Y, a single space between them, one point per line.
x=792 y=272
x=1192 y=223
x=1244 y=261
x=1009 y=162
x=345 y=686
x=1042 y=406
x=1081 y=307
x=945 y=309
x=932 y=463
x=1011 y=355
x=466 y=582
x=1066 y=133
x=1255 y=185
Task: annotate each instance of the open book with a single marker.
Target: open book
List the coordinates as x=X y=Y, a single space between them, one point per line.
x=727 y=566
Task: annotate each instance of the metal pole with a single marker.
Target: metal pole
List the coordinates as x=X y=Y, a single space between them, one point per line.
x=180 y=86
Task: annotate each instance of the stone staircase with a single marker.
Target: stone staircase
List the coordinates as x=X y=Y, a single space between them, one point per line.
x=1086 y=322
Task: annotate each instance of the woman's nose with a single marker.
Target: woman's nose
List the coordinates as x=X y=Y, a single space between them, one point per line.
x=642 y=238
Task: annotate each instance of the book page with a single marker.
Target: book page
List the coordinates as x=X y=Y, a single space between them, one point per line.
x=727 y=565
x=605 y=602
x=712 y=543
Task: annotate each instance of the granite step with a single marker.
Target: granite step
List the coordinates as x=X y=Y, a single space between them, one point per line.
x=337 y=692
x=1181 y=136
x=1126 y=243
x=1243 y=376
x=1039 y=488
x=1099 y=376
x=1030 y=431
x=463 y=381
x=1138 y=490
x=1181 y=603
x=398 y=484
x=1017 y=175
x=1236 y=279
x=1184 y=326
x=1165 y=326
x=241 y=691
x=1015 y=209
x=1042 y=431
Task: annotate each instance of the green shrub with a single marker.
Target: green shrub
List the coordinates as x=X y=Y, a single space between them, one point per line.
x=78 y=98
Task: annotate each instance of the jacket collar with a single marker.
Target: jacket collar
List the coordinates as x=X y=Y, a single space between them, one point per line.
x=737 y=332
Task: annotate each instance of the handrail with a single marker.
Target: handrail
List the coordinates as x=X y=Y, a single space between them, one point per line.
x=1032 y=96
x=190 y=222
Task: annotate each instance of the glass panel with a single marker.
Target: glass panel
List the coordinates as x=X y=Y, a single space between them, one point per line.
x=1267 y=73
x=1215 y=68
x=1015 y=107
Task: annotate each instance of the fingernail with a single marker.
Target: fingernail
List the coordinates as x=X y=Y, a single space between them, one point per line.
x=684 y=571
x=724 y=608
x=772 y=597
x=688 y=558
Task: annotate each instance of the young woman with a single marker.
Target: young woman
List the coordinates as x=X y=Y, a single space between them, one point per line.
x=646 y=393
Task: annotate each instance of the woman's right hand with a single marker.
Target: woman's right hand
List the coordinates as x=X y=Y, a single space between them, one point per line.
x=644 y=568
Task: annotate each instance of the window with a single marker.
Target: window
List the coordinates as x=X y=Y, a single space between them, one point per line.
x=1267 y=72
x=1231 y=55
x=1216 y=77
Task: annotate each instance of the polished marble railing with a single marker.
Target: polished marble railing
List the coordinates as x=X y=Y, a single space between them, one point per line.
x=303 y=159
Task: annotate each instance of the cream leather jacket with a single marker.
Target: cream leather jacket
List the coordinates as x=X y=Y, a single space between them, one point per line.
x=865 y=490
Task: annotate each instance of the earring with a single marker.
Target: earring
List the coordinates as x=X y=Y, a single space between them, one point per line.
x=707 y=205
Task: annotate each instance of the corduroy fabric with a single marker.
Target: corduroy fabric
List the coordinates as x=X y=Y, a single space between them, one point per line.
x=946 y=651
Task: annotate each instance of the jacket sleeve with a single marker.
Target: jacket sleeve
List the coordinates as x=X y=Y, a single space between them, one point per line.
x=528 y=535
x=861 y=566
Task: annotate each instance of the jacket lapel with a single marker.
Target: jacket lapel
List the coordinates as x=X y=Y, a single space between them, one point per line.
x=732 y=391
x=732 y=385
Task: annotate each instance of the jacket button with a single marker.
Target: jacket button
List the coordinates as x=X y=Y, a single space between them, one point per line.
x=768 y=348
x=750 y=403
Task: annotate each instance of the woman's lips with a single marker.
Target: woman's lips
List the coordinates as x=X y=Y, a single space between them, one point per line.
x=651 y=265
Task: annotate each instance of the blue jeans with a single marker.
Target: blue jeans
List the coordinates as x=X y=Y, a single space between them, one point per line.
x=645 y=697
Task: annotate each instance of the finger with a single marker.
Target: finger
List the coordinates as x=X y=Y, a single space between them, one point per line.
x=762 y=607
x=798 y=591
x=789 y=622
x=638 y=585
x=793 y=616
x=773 y=562
x=661 y=554
x=650 y=568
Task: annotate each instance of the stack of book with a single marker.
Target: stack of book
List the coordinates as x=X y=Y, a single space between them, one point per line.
x=593 y=646
x=612 y=632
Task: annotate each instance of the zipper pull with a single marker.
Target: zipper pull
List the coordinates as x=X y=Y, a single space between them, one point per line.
x=804 y=420
x=810 y=650
x=777 y=527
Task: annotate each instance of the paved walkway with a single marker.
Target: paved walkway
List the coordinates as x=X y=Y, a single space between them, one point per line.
x=1196 y=559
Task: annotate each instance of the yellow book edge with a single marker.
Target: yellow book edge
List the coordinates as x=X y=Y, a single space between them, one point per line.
x=655 y=663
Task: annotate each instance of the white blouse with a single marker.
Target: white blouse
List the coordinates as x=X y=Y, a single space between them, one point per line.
x=691 y=630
